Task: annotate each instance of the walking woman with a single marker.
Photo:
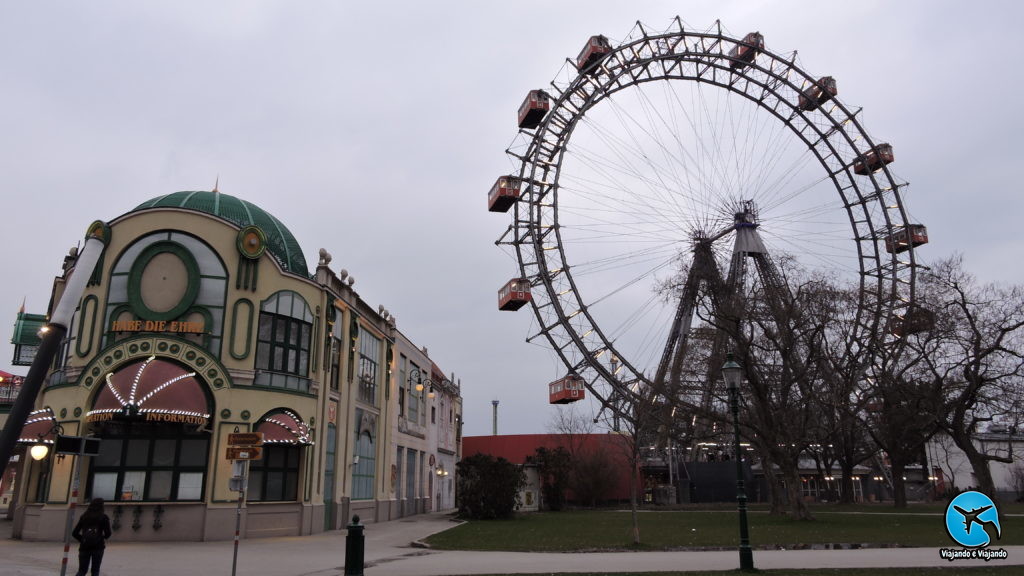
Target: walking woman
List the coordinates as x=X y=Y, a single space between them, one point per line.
x=92 y=531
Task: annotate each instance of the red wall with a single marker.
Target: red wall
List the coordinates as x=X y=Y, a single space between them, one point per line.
x=515 y=449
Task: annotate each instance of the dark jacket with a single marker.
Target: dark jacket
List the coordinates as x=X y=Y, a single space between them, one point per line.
x=101 y=522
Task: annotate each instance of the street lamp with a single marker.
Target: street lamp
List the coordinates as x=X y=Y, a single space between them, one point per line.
x=417 y=378
x=733 y=374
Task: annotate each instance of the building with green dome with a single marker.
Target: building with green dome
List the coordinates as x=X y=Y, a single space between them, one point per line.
x=202 y=321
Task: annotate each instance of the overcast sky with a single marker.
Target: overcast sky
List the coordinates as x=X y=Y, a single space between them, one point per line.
x=375 y=129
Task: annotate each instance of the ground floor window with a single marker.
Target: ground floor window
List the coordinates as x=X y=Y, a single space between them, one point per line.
x=365 y=465
x=159 y=462
x=275 y=477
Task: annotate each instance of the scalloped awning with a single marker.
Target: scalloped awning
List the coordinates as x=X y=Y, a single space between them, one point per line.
x=152 y=389
x=284 y=427
x=38 y=427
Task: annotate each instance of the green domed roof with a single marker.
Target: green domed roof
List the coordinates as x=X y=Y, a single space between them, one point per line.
x=280 y=241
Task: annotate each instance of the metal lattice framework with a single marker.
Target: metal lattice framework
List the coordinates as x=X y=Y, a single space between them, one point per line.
x=546 y=235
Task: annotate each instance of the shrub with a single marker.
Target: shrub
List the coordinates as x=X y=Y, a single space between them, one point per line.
x=488 y=487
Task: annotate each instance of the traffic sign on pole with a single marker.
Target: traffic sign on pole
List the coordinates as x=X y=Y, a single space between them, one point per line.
x=245 y=439
x=244 y=453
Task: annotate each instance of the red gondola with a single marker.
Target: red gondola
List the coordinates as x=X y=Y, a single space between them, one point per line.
x=874 y=160
x=903 y=239
x=593 y=52
x=514 y=295
x=915 y=320
x=566 y=390
x=743 y=52
x=503 y=194
x=818 y=93
x=534 y=108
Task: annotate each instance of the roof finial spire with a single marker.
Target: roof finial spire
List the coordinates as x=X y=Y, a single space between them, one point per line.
x=216 y=184
x=22 y=309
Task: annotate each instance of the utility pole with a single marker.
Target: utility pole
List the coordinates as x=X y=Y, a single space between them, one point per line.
x=494 y=431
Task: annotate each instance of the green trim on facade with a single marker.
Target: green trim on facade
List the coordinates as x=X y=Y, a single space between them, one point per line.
x=135 y=280
x=248 y=329
x=281 y=390
x=90 y=302
x=389 y=356
x=198 y=359
x=207 y=323
x=314 y=352
x=101 y=230
x=251 y=242
x=109 y=336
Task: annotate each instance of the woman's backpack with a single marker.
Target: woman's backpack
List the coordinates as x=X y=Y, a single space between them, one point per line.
x=92 y=537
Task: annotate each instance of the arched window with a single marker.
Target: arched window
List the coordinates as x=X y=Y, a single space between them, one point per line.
x=283 y=341
x=275 y=476
x=167 y=277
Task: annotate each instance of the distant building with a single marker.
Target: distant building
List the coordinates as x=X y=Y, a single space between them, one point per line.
x=952 y=473
x=202 y=320
x=519 y=449
x=425 y=434
x=10 y=386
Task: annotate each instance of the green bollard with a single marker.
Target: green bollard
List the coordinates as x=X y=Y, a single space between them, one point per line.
x=354 y=547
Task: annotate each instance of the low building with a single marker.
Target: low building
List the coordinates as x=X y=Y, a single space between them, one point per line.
x=607 y=454
x=202 y=320
x=951 y=472
x=10 y=386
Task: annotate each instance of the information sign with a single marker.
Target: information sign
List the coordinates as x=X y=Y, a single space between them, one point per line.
x=244 y=453
x=245 y=439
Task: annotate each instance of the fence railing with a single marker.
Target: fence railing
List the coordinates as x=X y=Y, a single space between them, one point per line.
x=8 y=394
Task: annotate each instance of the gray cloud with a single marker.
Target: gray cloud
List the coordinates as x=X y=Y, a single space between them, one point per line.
x=375 y=130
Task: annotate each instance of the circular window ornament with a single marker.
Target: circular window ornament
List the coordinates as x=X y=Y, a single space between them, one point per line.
x=99 y=230
x=164 y=282
x=252 y=243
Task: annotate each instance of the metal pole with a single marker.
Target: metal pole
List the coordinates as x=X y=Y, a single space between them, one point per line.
x=355 y=548
x=49 y=344
x=69 y=523
x=48 y=347
x=238 y=514
x=746 y=555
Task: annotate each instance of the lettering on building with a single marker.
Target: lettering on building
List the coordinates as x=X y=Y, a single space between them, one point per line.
x=157 y=326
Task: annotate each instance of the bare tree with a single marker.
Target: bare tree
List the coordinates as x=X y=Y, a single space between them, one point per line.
x=944 y=449
x=639 y=423
x=842 y=366
x=975 y=351
x=572 y=426
x=589 y=478
x=902 y=416
x=782 y=330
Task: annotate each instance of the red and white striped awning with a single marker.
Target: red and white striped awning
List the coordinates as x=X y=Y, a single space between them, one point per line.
x=154 y=389
x=284 y=427
x=39 y=427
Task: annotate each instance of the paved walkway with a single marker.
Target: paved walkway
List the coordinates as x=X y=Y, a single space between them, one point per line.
x=389 y=552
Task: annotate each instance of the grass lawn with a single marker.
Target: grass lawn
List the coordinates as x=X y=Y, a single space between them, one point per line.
x=589 y=530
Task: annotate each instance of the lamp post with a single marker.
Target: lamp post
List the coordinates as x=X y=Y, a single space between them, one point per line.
x=51 y=338
x=417 y=379
x=733 y=374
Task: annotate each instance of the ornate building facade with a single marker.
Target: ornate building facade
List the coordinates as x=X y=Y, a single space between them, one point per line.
x=201 y=320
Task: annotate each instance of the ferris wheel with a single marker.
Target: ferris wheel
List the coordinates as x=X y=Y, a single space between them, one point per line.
x=653 y=174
